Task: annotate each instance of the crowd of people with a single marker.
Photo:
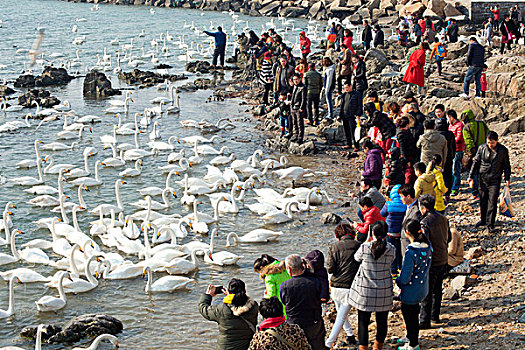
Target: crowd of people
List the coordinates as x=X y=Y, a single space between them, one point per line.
x=401 y=247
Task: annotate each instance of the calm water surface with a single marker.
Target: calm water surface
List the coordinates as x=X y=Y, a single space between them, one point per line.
x=160 y=321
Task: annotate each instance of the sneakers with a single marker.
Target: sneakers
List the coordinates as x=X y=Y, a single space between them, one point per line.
x=402 y=341
x=479 y=224
x=463 y=95
x=454 y=193
x=408 y=347
x=477 y=97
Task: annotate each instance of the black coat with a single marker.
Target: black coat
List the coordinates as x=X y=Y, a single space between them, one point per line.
x=395 y=168
x=453 y=31
x=475 y=55
x=367 y=34
x=351 y=105
x=379 y=38
x=491 y=165
x=451 y=147
x=301 y=297
x=510 y=25
x=436 y=228
x=299 y=97
x=340 y=262
x=407 y=144
x=386 y=126
x=360 y=81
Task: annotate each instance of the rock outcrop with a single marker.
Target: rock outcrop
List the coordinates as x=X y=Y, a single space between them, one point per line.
x=97 y=85
x=43 y=97
x=51 y=76
x=6 y=90
x=148 y=79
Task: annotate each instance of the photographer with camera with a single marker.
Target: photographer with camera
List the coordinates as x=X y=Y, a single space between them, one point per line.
x=236 y=314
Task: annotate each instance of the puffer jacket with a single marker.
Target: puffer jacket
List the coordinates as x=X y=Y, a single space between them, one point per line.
x=432 y=142
x=395 y=168
x=313 y=81
x=340 y=262
x=315 y=260
x=425 y=184
x=439 y=188
x=394 y=211
x=457 y=129
x=413 y=279
x=273 y=275
x=371 y=216
x=305 y=43
x=474 y=131
x=234 y=332
x=373 y=165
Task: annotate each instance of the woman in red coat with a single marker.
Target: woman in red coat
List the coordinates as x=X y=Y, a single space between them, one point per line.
x=415 y=73
x=305 y=44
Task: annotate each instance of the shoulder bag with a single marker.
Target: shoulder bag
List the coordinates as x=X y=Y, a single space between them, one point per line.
x=250 y=325
x=276 y=335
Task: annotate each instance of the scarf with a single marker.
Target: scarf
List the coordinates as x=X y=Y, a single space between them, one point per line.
x=228 y=299
x=271 y=322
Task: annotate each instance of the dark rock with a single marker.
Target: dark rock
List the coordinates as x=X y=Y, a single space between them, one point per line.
x=330 y=218
x=203 y=83
x=259 y=110
x=43 y=97
x=443 y=93
x=48 y=331
x=376 y=61
x=521 y=319
x=25 y=81
x=198 y=66
x=302 y=149
x=53 y=76
x=6 y=90
x=147 y=79
x=163 y=66
x=97 y=85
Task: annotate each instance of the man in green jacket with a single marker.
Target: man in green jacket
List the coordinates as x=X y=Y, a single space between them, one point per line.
x=474 y=133
x=314 y=83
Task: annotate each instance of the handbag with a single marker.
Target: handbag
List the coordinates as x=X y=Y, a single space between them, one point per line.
x=276 y=335
x=505 y=203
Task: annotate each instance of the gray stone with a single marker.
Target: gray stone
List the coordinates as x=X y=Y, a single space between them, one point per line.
x=387 y=4
x=450 y=294
x=270 y=9
x=451 y=11
x=330 y=218
x=443 y=93
x=375 y=60
x=302 y=149
x=315 y=8
x=437 y=6
x=461 y=282
x=6 y=90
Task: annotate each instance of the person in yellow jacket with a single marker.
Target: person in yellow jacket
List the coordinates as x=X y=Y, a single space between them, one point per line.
x=425 y=180
x=439 y=183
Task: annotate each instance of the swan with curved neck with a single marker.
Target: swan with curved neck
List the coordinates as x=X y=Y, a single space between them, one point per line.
x=15 y=256
x=49 y=303
x=99 y=339
x=28 y=180
x=11 y=307
x=31 y=163
x=81 y=285
x=89 y=181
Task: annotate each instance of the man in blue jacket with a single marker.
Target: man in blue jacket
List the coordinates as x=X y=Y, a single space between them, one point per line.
x=220 y=45
x=475 y=61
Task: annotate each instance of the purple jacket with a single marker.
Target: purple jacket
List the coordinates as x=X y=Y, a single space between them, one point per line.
x=315 y=259
x=373 y=165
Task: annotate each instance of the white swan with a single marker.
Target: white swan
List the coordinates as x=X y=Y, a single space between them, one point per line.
x=15 y=256
x=81 y=285
x=176 y=156
x=25 y=275
x=280 y=216
x=183 y=166
x=106 y=208
x=195 y=158
x=144 y=203
x=221 y=258
x=181 y=266
x=49 y=303
x=113 y=161
x=68 y=135
x=58 y=146
x=155 y=133
x=11 y=306
x=295 y=173
x=121 y=272
x=89 y=181
x=51 y=168
x=31 y=163
x=223 y=160
x=282 y=162
x=162 y=146
x=166 y=284
x=190 y=140
x=157 y=191
x=99 y=339
x=28 y=180
x=255 y=236
x=208 y=150
x=76 y=173
x=132 y=172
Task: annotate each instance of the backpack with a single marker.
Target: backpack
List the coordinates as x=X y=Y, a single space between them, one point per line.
x=441 y=53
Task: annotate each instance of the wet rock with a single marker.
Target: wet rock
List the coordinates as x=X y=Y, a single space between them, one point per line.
x=78 y=328
x=43 y=97
x=6 y=90
x=53 y=76
x=443 y=93
x=332 y=132
x=25 y=81
x=48 y=331
x=198 y=66
x=474 y=253
x=203 y=83
x=259 y=111
x=163 y=66
x=330 y=218
x=521 y=319
x=97 y=85
x=302 y=149
x=147 y=78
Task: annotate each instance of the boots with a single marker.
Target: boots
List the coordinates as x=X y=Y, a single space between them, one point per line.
x=363 y=347
x=378 y=346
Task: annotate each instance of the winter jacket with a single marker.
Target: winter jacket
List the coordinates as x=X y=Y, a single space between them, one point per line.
x=305 y=43
x=415 y=73
x=455 y=248
x=351 y=105
x=413 y=279
x=282 y=77
x=359 y=76
x=347 y=41
x=483 y=82
x=371 y=216
x=315 y=260
x=474 y=131
x=243 y=43
x=491 y=164
x=376 y=197
x=407 y=144
x=418 y=31
x=340 y=262
x=264 y=340
x=373 y=165
x=301 y=295
x=366 y=36
x=475 y=55
x=436 y=228
x=273 y=276
x=314 y=82
x=234 y=332
x=386 y=126
x=453 y=32
x=394 y=211
x=439 y=188
x=299 y=97
x=372 y=289
x=395 y=168
x=346 y=63
x=425 y=184
x=432 y=142
x=266 y=74
x=379 y=39
x=457 y=130
x=506 y=28
x=220 y=37
x=283 y=109
x=429 y=36
x=329 y=79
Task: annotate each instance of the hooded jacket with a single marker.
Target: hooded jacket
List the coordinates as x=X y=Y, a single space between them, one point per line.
x=474 y=131
x=315 y=260
x=234 y=332
x=340 y=262
x=457 y=130
x=432 y=142
x=413 y=279
x=305 y=43
x=273 y=276
x=439 y=188
x=371 y=216
x=373 y=165
x=395 y=168
x=425 y=184
x=394 y=211
x=386 y=126
x=407 y=144
x=359 y=76
x=376 y=197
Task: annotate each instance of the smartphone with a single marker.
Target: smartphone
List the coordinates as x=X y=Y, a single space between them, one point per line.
x=216 y=290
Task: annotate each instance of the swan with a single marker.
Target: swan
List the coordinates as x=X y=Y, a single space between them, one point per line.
x=280 y=216
x=160 y=99
x=181 y=266
x=261 y=208
x=6 y=222
x=137 y=152
x=253 y=171
x=109 y=139
x=49 y=303
x=200 y=247
x=199 y=221
x=157 y=191
x=155 y=133
x=241 y=164
x=190 y=140
x=114 y=108
x=68 y=129
x=255 y=236
x=283 y=161
x=67 y=135
x=195 y=158
x=131 y=172
x=121 y=272
x=58 y=146
x=166 y=284
x=55 y=169
x=223 y=160
x=176 y=156
x=25 y=275
x=167 y=231
x=15 y=256
x=301 y=194
x=76 y=173
x=113 y=161
x=11 y=307
x=31 y=163
x=70 y=206
x=208 y=150
x=228 y=204
x=144 y=203
x=162 y=146
x=42 y=190
x=89 y=119
x=130 y=229
x=28 y=180
x=221 y=258
x=16 y=124
x=295 y=173
x=106 y=208
x=97 y=341
x=186 y=199
x=183 y=166
x=89 y=181
x=81 y=285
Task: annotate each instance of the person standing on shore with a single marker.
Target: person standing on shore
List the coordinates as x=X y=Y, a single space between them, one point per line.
x=220 y=45
x=435 y=226
x=475 y=61
x=345 y=70
x=366 y=36
x=439 y=52
x=431 y=142
x=487 y=32
x=415 y=73
x=491 y=163
x=408 y=198
x=305 y=44
x=266 y=76
x=314 y=83
x=379 y=38
x=301 y=296
x=474 y=133
x=496 y=14
x=456 y=127
x=340 y=33
x=329 y=82
x=348 y=40
x=394 y=211
x=407 y=147
x=373 y=168
x=359 y=81
x=282 y=73
x=453 y=31
x=351 y=108
x=298 y=110
x=448 y=162
x=508 y=32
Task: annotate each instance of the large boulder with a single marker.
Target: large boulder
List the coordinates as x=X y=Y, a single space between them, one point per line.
x=375 y=60
x=6 y=90
x=451 y=11
x=437 y=6
x=270 y=9
x=43 y=97
x=53 y=76
x=456 y=50
x=315 y=8
x=25 y=81
x=387 y=4
x=97 y=85
x=411 y=9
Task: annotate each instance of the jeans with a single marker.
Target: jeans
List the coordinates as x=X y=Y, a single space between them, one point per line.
x=439 y=66
x=456 y=170
x=431 y=305
x=411 y=315
x=349 y=126
x=315 y=335
x=296 y=126
x=364 y=321
x=396 y=242
x=488 y=202
x=219 y=51
x=284 y=125
x=341 y=321
x=312 y=102
x=475 y=187
x=367 y=45
x=330 y=103
x=473 y=73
